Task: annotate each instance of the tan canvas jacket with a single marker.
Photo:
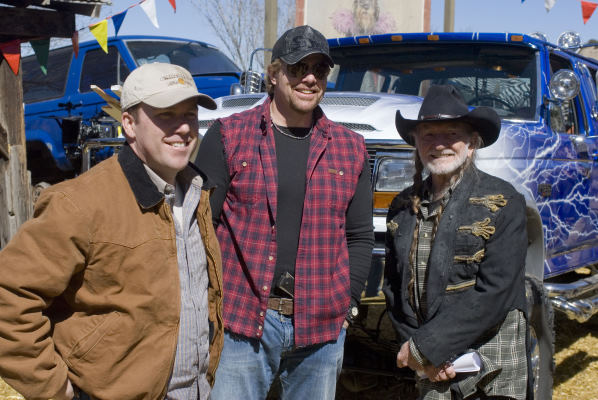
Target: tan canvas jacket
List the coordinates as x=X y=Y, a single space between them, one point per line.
x=90 y=288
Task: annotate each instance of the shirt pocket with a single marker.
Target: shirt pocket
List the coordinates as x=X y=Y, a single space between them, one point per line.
x=469 y=253
x=463 y=276
x=245 y=186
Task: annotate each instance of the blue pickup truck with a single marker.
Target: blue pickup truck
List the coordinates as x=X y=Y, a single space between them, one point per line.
x=61 y=111
x=546 y=96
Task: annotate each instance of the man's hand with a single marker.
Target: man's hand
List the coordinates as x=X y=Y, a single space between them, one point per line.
x=406 y=359
x=345 y=324
x=438 y=374
x=434 y=374
x=66 y=392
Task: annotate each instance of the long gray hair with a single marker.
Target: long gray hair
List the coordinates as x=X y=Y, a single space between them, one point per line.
x=417 y=193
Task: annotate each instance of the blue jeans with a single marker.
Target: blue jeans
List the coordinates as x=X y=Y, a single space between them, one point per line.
x=249 y=366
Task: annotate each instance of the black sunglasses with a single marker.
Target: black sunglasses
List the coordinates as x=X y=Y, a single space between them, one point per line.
x=300 y=69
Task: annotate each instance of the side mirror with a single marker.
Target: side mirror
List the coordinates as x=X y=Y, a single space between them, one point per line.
x=564 y=85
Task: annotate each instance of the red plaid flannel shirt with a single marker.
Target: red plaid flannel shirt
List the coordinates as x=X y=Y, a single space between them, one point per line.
x=247 y=232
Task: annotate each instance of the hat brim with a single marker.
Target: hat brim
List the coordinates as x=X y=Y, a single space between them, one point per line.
x=484 y=120
x=297 y=56
x=170 y=98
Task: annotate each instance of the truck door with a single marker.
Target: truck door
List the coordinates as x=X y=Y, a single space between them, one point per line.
x=588 y=75
x=572 y=239
x=43 y=94
x=100 y=69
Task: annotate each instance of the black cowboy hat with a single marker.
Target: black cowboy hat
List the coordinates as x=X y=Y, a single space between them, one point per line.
x=444 y=103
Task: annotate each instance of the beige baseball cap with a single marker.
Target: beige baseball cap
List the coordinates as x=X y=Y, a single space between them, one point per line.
x=161 y=85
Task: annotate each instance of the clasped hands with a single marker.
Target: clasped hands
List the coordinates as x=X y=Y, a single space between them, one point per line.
x=434 y=374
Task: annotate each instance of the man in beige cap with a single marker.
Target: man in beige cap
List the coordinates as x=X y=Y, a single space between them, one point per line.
x=112 y=290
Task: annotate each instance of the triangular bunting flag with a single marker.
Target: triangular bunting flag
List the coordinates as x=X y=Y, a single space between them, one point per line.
x=149 y=6
x=12 y=54
x=548 y=4
x=117 y=20
x=41 y=48
x=100 y=31
x=587 y=9
x=173 y=4
x=75 y=42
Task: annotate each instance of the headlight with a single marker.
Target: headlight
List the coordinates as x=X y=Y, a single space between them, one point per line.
x=393 y=175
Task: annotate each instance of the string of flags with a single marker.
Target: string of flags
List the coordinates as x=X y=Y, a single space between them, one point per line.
x=587 y=8
x=11 y=51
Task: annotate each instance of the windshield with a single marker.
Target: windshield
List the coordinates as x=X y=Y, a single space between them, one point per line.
x=498 y=76
x=199 y=59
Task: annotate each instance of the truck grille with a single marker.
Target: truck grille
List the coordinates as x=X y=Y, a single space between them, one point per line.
x=205 y=123
x=357 y=127
x=358 y=101
x=241 y=101
x=372 y=160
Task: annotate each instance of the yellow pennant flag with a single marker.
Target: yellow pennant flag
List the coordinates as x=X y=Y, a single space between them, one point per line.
x=100 y=31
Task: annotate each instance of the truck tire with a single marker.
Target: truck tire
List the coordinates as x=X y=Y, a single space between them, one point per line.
x=541 y=327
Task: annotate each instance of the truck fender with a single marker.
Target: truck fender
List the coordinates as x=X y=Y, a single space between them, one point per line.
x=534 y=260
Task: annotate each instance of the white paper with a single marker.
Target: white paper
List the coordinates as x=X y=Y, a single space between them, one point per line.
x=468 y=362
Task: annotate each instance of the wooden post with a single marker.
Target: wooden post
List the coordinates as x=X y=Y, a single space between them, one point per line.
x=449 y=15
x=15 y=181
x=270 y=27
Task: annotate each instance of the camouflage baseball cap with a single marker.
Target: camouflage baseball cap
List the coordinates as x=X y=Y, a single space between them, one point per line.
x=161 y=85
x=300 y=42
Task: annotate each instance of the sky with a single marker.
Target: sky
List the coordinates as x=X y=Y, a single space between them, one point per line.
x=470 y=15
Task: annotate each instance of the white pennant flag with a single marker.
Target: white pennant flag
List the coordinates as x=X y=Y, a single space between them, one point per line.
x=149 y=6
x=549 y=4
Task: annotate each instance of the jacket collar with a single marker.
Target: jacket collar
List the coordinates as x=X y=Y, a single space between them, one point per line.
x=145 y=191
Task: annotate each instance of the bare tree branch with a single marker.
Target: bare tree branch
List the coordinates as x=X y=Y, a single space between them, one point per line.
x=239 y=24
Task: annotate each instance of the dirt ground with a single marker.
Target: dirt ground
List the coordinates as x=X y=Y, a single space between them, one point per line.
x=576 y=373
x=576 y=368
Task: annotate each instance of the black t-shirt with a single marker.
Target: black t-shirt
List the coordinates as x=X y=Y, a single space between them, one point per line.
x=291 y=157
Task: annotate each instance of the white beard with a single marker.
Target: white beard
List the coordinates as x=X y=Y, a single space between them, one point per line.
x=442 y=167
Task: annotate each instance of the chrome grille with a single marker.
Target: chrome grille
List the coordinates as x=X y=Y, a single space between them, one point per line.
x=372 y=160
x=357 y=127
x=241 y=101
x=358 y=101
x=206 y=123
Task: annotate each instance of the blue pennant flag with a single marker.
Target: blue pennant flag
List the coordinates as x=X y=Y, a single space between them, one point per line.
x=117 y=20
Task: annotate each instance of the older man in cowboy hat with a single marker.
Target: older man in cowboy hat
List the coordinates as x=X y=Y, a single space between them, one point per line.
x=456 y=246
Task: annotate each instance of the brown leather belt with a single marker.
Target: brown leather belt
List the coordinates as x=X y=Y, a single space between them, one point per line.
x=281 y=304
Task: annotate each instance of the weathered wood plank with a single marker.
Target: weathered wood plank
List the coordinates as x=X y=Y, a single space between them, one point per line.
x=21 y=187
x=15 y=192
x=5 y=233
x=3 y=143
x=28 y=23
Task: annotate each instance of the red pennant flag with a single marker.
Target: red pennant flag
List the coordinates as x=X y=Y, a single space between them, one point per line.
x=75 y=41
x=12 y=53
x=587 y=9
x=173 y=4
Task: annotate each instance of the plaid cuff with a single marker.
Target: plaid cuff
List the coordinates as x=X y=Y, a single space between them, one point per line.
x=419 y=358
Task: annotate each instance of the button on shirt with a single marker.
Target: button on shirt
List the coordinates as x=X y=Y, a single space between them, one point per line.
x=188 y=380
